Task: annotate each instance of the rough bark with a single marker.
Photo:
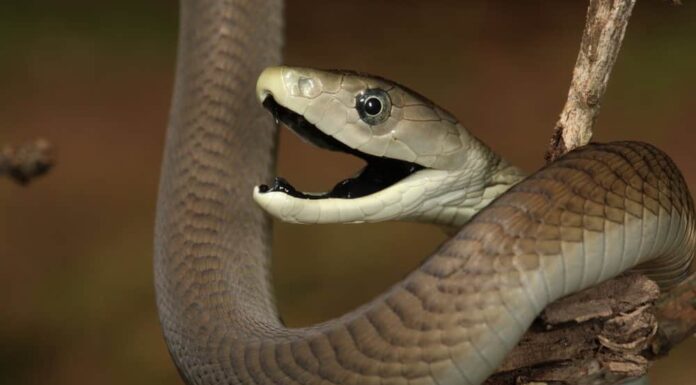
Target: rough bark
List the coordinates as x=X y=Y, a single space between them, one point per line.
x=602 y=335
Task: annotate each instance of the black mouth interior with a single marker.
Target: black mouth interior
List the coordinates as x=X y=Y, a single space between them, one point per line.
x=378 y=174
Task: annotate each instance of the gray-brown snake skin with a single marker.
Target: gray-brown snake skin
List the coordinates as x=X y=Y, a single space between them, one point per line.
x=594 y=213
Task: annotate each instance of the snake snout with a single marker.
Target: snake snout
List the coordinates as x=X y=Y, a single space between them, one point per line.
x=270 y=83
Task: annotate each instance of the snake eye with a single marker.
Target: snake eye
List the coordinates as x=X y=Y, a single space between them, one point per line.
x=373 y=105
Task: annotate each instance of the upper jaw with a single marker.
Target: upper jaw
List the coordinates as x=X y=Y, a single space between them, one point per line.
x=306 y=130
x=294 y=87
x=379 y=173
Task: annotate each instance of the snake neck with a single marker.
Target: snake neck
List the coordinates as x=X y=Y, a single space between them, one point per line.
x=484 y=176
x=502 y=176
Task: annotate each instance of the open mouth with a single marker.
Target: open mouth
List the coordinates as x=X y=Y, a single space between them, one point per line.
x=378 y=174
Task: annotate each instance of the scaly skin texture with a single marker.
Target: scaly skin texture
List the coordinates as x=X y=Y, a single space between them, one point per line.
x=212 y=242
x=594 y=213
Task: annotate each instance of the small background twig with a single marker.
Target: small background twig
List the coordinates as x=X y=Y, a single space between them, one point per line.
x=27 y=161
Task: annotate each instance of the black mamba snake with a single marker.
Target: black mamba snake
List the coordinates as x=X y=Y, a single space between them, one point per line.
x=587 y=217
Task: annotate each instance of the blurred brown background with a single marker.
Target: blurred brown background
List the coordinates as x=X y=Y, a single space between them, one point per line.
x=95 y=78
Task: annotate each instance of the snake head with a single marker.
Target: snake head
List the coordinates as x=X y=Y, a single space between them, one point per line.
x=409 y=144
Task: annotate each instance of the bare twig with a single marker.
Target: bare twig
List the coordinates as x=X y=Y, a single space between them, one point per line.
x=27 y=161
x=604 y=31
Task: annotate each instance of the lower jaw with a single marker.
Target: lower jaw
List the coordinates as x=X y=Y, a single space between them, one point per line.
x=398 y=202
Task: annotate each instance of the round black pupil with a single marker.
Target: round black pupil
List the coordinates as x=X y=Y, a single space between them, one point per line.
x=373 y=106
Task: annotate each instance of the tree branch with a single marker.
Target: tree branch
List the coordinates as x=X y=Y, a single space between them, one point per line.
x=601 y=41
x=27 y=161
x=613 y=331
x=602 y=335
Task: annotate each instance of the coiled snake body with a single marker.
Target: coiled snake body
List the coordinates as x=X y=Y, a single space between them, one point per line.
x=594 y=213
